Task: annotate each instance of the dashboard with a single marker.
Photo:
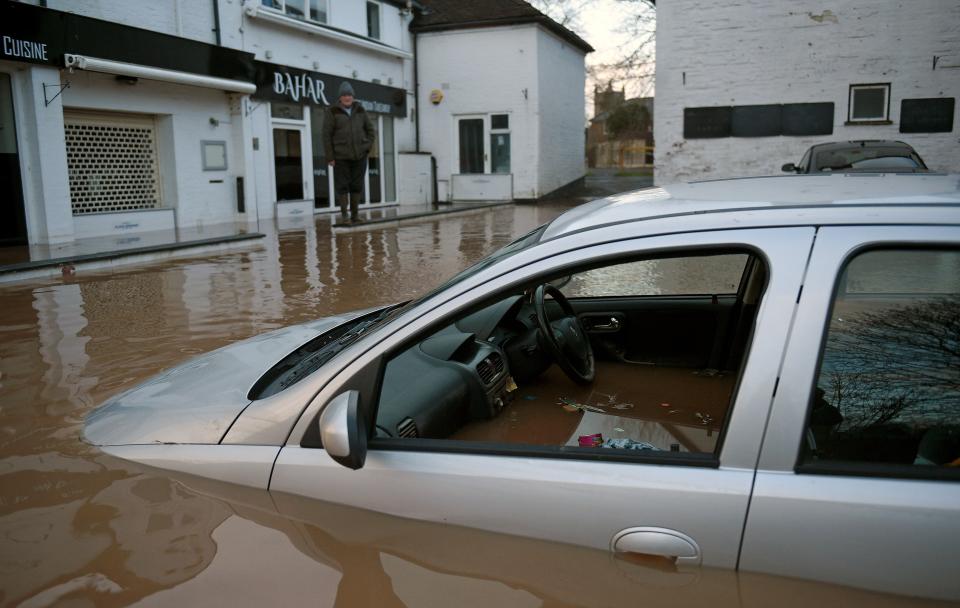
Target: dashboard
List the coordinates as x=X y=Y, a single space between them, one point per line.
x=466 y=371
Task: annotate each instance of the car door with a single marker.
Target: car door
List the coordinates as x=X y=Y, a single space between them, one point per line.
x=684 y=324
x=629 y=503
x=859 y=476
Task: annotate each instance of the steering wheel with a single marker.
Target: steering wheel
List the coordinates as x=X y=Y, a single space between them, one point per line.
x=564 y=338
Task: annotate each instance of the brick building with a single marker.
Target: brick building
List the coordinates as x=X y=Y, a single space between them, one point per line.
x=744 y=87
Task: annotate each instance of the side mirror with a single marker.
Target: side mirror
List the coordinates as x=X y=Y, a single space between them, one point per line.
x=343 y=430
x=789 y=168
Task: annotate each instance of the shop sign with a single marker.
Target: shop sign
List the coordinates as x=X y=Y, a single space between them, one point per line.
x=33 y=34
x=15 y=48
x=290 y=85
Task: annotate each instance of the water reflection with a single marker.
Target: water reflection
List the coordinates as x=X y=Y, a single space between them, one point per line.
x=72 y=526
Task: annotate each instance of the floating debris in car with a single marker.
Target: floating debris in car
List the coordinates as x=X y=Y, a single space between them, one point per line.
x=671 y=412
x=591 y=441
x=703 y=418
x=619 y=430
x=622 y=406
x=625 y=443
x=664 y=405
x=570 y=405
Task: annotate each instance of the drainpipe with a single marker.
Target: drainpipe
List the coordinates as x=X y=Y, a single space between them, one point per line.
x=416 y=91
x=216 y=20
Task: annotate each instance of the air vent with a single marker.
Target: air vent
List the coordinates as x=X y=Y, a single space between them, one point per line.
x=490 y=368
x=407 y=428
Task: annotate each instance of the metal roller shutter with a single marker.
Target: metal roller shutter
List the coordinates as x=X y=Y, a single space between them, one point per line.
x=112 y=162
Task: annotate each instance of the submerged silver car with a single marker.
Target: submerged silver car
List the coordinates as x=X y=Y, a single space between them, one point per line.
x=760 y=374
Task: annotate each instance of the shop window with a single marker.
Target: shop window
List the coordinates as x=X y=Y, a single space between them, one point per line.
x=373 y=20
x=869 y=103
x=888 y=390
x=500 y=143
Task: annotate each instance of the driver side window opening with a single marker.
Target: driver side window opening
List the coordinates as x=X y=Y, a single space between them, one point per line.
x=635 y=360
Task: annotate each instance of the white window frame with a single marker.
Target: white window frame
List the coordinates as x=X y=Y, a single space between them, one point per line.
x=379 y=6
x=885 y=86
x=282 y=10
x=499 y=131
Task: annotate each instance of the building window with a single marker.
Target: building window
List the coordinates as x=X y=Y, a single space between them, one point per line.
x=305 y=10
x=500 y=143
x=373 y=20
x=869 y=103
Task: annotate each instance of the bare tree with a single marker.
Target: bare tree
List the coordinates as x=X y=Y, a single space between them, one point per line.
x=567 y=13
x=897 y=364
x=634 y=66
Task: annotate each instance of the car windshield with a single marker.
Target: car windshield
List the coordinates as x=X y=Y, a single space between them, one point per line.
x=865 y=158
x=526 y=241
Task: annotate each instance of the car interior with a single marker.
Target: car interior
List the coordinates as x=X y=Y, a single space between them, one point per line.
x=640 y=355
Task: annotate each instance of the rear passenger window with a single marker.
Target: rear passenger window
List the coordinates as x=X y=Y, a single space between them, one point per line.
x=888 y=388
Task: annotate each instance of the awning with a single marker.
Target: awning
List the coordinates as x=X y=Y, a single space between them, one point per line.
x=120 y=68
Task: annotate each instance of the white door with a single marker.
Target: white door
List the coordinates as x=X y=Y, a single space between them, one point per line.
x=689 y=506
x=859 y=477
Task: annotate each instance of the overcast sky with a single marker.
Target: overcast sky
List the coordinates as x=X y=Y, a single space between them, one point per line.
x=599 y=28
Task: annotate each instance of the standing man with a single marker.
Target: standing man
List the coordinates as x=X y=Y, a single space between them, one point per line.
x=347 y=136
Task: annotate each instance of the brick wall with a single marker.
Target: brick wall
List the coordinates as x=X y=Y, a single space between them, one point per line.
x=744 y=52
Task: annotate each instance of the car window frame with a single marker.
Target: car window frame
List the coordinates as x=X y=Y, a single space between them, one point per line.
x=761 y=361
x=862 y=468
x=662 y=457
x=835 y=245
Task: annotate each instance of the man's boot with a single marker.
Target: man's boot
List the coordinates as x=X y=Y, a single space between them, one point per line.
x=343 y=202
x=354 y=206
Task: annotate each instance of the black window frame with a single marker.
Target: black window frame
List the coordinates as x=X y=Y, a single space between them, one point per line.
x=847 y=468
x=687 y=459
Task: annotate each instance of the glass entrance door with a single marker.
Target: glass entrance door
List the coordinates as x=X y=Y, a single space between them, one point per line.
x=471 y=145
x=289 y=163
x=13 y=220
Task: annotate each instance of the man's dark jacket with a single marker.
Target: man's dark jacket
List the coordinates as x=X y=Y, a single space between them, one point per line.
x=347 y=136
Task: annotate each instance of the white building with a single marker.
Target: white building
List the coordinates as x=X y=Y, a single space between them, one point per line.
x=745 y=87
x=501 y=99
x=121 y=117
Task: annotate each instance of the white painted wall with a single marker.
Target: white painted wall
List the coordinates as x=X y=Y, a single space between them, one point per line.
x=186 y=18
x=481 y=71
x=762 y=51
x=42 y=152
x=415 y=185
x=523 y=71
x=560 y=97
x=293 y=47
x=187 y=111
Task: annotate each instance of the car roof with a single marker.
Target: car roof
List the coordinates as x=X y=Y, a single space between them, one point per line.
x=861 y=143
x=874 y=191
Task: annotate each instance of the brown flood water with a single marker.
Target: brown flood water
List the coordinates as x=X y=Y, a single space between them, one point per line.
x=79 y=528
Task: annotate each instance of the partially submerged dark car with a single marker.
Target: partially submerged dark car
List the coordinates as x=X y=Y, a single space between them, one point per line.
x=862 y=156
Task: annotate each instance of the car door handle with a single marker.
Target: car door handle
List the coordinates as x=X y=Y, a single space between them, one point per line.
x=613 y=325
x=661 y=542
